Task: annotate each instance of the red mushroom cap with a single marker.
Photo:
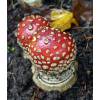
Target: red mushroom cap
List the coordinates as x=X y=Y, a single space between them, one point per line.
x=51 y=49
x=29 y=26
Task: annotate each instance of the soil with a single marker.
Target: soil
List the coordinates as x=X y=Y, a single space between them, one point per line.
x=19 y=75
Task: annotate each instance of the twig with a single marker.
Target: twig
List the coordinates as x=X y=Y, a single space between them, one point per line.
x=87 y=45
x=62 y=1
x=10 y=73
x=14 y=5
x=88 y=38
x=90 y=27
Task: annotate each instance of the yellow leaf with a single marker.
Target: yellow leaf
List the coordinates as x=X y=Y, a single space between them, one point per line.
x=62 y=19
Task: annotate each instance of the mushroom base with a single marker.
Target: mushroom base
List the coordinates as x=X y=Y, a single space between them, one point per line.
x=53 y=83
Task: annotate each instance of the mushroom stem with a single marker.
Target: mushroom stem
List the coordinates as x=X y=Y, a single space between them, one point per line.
x=44 y=80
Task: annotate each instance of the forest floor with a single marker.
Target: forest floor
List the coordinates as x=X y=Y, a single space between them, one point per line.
x=19 y=75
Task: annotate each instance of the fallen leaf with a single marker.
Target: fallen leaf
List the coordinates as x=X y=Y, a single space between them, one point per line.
x=82 y=10
x=62 y=19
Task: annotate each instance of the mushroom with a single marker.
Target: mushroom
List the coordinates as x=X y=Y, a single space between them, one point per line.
x=28 y=27
x=53 y=53
x=51 y=49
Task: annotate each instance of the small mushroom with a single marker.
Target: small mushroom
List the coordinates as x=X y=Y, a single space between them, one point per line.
x=28 y=27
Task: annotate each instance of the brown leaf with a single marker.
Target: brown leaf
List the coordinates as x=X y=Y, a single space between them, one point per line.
x=82 y=10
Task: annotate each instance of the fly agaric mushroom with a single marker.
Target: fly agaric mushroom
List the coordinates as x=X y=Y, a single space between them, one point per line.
x=53 y=53
x=28 y=27
x=51 y=49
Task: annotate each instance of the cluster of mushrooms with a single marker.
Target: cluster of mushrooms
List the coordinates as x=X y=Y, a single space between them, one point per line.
x=51 y=52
